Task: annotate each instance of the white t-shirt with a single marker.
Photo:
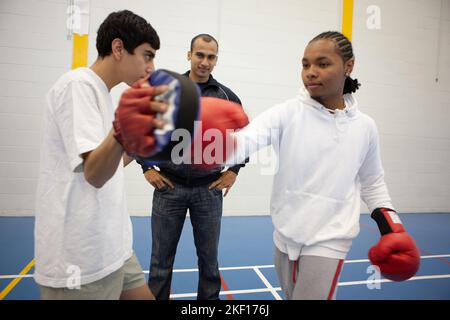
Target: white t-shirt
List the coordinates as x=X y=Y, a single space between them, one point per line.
x=327 y=162
x=79 y=229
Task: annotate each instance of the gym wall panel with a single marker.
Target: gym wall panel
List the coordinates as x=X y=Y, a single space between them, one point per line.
x=35 y=74
x=33 y=57
x=34 y=53
x=16 y=170
x=13 y=204
x=22 y=105
x=397 y=65
x=261 y=44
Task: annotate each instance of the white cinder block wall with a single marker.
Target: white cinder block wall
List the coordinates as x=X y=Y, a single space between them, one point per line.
x=261 y=44
x=34 y=52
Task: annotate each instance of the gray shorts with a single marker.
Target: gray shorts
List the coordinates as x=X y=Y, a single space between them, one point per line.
x=129 y=276
x=308 y=278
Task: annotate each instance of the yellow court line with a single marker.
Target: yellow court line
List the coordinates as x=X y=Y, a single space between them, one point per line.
x=347 y=18
x=14 y=282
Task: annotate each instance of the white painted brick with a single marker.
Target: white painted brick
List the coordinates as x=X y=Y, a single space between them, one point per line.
x=33 y=57
x=20 y=122
x=17 y=186
x=18 y=170
x=26 y=155
x=16 y=204
x=21 y=105
x=20 y=138
x=261 y=45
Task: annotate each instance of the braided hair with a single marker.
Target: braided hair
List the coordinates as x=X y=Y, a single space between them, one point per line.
x=345 y=50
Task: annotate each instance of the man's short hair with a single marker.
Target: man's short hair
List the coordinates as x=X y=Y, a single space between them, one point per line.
x=132 y=29
x=205 y=37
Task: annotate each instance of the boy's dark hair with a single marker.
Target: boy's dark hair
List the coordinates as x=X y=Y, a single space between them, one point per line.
x=345 y=50
x=205 y=37
x=132 y=29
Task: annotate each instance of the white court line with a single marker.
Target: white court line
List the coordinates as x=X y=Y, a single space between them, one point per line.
x=267 y=283
x=241 y=267
x=272 y=266
x=340 y=284
x=372 y=282
x=436 y=256
x=224 y=268
x=230 y=268
x=194 y=294
x=16 y=276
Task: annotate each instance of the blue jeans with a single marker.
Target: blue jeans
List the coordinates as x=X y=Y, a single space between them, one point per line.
x=169 y=213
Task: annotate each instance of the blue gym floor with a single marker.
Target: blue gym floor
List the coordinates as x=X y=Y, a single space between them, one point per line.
x=245 y=258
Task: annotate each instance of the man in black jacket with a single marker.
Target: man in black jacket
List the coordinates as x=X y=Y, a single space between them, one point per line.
x=182 y=187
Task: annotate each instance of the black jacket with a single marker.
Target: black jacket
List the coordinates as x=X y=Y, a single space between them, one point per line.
x=187 y=174
x=212 y=88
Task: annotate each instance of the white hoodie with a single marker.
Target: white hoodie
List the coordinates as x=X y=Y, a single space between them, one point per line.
x=326 y=163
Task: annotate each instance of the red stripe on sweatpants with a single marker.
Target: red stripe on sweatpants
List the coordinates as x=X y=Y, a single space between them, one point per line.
x=335 y=279
x=294 y=272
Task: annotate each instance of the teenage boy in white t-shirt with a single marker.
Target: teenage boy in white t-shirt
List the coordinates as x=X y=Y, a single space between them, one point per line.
x=83 y=232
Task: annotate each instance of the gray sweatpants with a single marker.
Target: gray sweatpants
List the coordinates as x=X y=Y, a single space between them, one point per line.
x=308 y=278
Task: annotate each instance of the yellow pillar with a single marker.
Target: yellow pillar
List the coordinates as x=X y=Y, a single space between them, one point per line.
x=79 y=50
x=347 y=18
x=78 y=25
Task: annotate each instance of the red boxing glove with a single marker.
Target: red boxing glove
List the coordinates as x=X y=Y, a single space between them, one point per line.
x=133 y=123
x=396 y=253
x=213 y=143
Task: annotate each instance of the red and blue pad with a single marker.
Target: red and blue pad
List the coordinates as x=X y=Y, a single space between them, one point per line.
x=183 y=99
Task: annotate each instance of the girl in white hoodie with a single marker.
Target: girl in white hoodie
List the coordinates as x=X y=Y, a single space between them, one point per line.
x=329 y=158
